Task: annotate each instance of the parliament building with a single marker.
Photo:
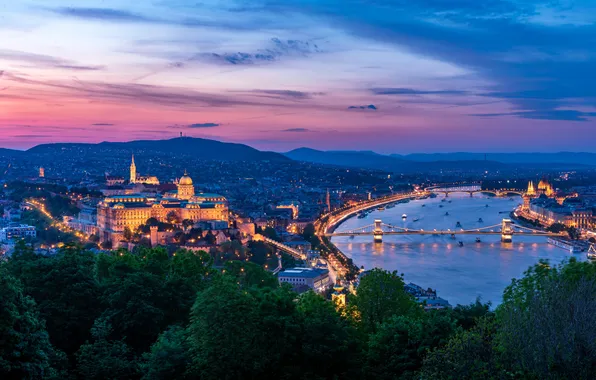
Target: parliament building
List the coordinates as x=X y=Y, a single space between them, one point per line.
x=117 y=212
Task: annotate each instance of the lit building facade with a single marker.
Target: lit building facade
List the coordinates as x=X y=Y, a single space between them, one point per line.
x=117 y=212
x=20 y=231
x=135 y=178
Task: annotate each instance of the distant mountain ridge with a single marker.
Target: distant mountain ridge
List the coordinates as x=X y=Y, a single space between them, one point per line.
x=372 y=160
x=449 y=161
x=196 y=147
x=582 y=158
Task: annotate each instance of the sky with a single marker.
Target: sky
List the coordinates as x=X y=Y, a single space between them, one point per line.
x=393 y=76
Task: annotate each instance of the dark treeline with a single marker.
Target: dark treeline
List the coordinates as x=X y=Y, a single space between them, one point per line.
x=150 y=315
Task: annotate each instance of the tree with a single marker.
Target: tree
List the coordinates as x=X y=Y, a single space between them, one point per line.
x=468 y=355
x=329 y=344
x=546 y=321
x=243 y=333
x=557 y=228
x=169 y=357
x=25 y=348
x=187 y=223
x=127 y=234
x=400 y=344
x=66 y=292
x=222 y=332
x=249 y=274
x=105 y=358
x=381 y=295
x=466 y=316
x=173 y=217
x=271 y=233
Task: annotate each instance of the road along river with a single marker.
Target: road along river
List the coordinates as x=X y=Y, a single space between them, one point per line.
x=459 y=273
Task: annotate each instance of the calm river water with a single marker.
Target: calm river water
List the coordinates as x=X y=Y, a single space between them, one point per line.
x=460 y=274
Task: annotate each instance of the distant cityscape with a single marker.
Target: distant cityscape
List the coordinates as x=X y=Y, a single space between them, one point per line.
x=97 y=196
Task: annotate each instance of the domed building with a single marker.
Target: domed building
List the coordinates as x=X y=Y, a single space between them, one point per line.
x=117 y=212
x=186 y=189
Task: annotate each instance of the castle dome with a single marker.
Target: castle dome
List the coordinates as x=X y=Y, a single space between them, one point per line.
x=185 y=180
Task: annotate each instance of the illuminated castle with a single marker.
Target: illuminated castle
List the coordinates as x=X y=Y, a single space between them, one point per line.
x=135 y=178
x=117 y=212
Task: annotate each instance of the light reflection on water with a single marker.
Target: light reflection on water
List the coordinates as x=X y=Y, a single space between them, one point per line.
x=459 y=274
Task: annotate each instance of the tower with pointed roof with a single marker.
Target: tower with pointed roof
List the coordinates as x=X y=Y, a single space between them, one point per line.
x=133 y=170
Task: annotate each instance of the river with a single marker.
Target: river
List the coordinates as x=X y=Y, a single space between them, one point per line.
x=459 y=274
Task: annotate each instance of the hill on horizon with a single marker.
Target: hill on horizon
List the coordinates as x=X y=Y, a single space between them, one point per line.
x=197 y=147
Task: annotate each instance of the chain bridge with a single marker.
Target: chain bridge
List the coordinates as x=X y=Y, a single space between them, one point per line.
x=471 y=189
x=506 y=229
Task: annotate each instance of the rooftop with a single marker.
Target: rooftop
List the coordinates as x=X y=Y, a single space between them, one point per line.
x=303 y=272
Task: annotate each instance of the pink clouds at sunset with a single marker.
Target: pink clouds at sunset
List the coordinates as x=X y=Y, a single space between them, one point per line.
x=279 y=75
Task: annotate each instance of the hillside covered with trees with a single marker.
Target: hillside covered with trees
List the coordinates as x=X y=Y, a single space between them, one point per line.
x=151 y=315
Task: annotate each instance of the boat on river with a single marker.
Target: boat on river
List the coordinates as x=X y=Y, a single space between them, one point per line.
x=415 y=220
x=480 y=220
x=564 y=244
x=447 y=213
x=460 y=243
x=404 y=216
x=478 y=240
x=591 y=253
x=458 y=224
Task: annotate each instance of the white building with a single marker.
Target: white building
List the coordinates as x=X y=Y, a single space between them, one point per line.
x=314 y=278
x=17 y=232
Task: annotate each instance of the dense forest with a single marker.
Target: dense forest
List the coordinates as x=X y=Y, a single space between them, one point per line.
x=152 y=315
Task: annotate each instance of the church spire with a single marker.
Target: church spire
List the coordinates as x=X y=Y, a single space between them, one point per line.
x=133 y=170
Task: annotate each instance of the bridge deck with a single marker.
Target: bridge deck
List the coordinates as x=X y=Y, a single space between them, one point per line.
x=442 y=233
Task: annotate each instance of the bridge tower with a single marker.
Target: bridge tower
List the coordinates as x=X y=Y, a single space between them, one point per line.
x=506 y=231
x=378 y=231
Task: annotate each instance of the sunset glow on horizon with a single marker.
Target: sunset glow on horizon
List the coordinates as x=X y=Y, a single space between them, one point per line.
x=393 y=76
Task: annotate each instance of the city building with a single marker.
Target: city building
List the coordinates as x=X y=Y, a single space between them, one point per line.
x=548 y=211
x=42 y=172
x=305 y=278
x=136 y=178
x=17 y=231
x=117 y=212
x=114 y=180
x=544 y=187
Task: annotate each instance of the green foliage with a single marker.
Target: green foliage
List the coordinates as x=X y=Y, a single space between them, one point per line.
x=271 y=233
x=25 y=349
x=168 y=357
x=154 y=315
x=147 y=291
x=399 y=345
x=105 y=358
x=380 y=296
x=330 y=344
x=224 y=327
x=468 y=355
x=66 y=292
x=249 y=274
x=546 y=322
x=466 y=316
